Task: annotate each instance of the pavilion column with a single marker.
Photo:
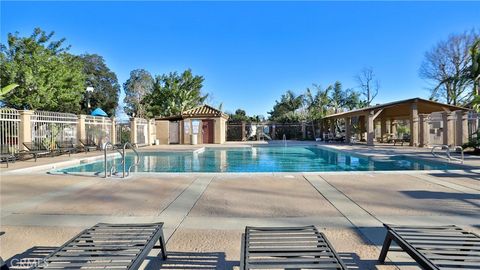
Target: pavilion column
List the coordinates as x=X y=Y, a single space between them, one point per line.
x=348 y=128
x=361 y=124
x=274 y=132
x=462 y=128
x=424 y=130
x=445 y=128
x=332 y=126
x=322 y=129
x=448 y=128
x=414 y=125
x=383 y=129
x=370 y=127
x=451 y=128
x=393 y=127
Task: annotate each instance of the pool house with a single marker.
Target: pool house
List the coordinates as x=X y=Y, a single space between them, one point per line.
x=203 y=124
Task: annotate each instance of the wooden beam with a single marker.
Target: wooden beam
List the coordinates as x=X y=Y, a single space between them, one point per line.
x=377 y=113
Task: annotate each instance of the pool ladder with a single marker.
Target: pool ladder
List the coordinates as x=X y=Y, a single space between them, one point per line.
x=448 y=153
x=113 y=169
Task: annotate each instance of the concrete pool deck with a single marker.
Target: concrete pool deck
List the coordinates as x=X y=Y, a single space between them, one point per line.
x=205 y=214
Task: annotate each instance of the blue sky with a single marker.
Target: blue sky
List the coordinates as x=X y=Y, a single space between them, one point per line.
x=252 y=52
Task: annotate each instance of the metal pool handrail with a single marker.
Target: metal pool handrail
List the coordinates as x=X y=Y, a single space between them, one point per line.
x=123 y=158
x=105 y=149
x=125 y=172
x=447 y=152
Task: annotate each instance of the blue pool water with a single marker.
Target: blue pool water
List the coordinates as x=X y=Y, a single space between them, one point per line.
x=264 y=159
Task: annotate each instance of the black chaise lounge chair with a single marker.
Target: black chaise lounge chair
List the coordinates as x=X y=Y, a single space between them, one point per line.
x=287 y=248
x=66 y=147
x=435 y=247
x=88 y=145
x=5 y=154
x=108 y=246
x=35 y=149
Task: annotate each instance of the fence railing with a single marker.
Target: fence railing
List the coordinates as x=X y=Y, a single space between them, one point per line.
x=272 y=131
x=9 y=130
x=98 y=129
x=435 y=129
x=122 y=131
x=142 y=131
x=49 y=127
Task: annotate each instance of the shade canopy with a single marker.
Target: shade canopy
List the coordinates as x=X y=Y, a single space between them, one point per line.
x=99 y=112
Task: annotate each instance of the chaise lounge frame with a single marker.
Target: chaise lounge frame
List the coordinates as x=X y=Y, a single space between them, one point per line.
x=435 y=247
x=66 y=147
x=35 y=149
x=108 y=246
x=287 y=248
x=88 y=145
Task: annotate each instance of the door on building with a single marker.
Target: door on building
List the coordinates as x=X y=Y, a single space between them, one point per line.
x=174 y=132
x=207 y=131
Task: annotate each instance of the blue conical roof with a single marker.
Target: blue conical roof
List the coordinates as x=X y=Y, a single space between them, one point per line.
x=99 y=112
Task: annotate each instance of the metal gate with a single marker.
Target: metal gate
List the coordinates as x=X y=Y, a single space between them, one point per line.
x=98 y=129
x=9 y=129
x=122 y=131
x=435 y=129
x=142 y=131
x=173 y=132
x=50 y=127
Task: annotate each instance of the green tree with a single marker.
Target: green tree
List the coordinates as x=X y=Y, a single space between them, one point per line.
x=48 y=77
x=317 y=104
x=445 y=66
x=474 y=73
x=338 y=97
x=353 y=101
x=288 y=109
x=137 y=87
x=104 y=82
x=239 y=116
x=174 y=93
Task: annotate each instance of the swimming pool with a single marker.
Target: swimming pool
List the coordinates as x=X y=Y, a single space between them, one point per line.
x=264 y=159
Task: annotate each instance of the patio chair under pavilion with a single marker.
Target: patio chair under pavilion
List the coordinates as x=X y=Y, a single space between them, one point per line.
x=415 y=110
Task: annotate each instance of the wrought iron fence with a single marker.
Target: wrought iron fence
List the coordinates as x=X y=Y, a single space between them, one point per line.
x=142 y=131
x=98 y=129
x=9 y=129
x=234 y=132
x=122 y=131
x=50 y=127
x=272 y=131
x=435 y=128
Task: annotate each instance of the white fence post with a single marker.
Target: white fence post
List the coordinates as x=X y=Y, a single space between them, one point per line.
x=133 y=130
x=81 y=135
x=25 y=134
x=113 y=136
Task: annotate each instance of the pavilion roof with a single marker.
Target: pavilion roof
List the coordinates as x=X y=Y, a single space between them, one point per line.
x=400 y=108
